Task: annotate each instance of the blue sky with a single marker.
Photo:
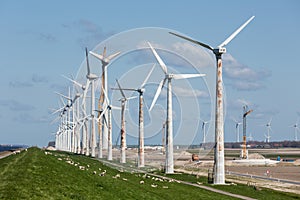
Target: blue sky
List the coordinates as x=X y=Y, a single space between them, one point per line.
x=42 y=40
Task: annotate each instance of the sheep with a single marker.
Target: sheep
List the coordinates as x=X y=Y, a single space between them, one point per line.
x=124 y=179
x=153 y=185
x=94 y=172
x=165 y=187
x=142 y=182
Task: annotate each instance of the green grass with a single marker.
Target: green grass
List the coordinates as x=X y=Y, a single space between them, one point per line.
x=35 y=175
x=249 y=191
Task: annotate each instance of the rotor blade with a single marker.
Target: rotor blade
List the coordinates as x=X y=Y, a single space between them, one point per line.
x=87 y=61
x=129 y=89
x=134 y=97
x=270 y=121
x=236 y=32
x=185 y=76
x=100 y=57
x=73 y=81
x=64 y=96
x=122 y=93
x=105 y=96
x=159 y=60
x=148 y=76
x=193 y=41
x=85 y=91
x=115 y=107
x=109 y=58
x=160 y=86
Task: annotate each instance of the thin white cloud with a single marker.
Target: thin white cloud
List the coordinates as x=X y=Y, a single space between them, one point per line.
x=248 y=86
x=235 y=70
x=184 y=92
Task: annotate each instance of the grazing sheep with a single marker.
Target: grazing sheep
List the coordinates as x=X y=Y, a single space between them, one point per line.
x=142 y=182
x=153 y=185
x=59 y=159
x=165 y=187
x=124 y=179
x=94 y=172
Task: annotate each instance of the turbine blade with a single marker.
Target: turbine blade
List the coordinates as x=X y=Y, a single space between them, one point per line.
x=160 y=86
x=193 y=41
x=122 y=92
x=148 y=76
x=85 y=91
x=73 y=81
x=115 y=107
x=109 y=58
x=236 y=32
x=87 y=61
x=159 y=60
x=64 y=96
x=105 y=96
x=100 y=57
x=185 y=76
x=129 y=89
x=134 y=97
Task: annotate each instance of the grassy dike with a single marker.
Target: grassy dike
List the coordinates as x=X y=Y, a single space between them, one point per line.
x=34 y=174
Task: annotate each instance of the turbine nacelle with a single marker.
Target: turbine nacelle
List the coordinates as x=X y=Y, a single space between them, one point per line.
x=219 y=50
x=169 y=76
x=91 y=77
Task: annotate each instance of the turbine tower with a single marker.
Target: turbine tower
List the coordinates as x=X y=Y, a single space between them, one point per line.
x=123 y=100
x=91 y=80
x=204 y=131
x=169 y=165
x=105 y=60
x=219 y=165
x=269 y=129
x=141 y=90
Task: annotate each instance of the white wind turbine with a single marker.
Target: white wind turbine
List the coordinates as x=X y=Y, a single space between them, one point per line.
x=85 y=140
x=91 y=80
x=169 y=165
x=123 y=100
x=105 y=60
x=219 y=165
x=269 y=129
x=237 y=129
x=204 y=131
x=140 y=90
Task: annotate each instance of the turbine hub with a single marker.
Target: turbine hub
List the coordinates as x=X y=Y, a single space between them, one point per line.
x=219 y=50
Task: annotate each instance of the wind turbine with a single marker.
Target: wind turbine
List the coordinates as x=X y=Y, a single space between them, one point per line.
x=269 y=129
x=169 y=125
x=219 y=165
x=85 y=140
x=204 y=131
x=123 y=100
x=140 y=90
x=105 y=60
x=91 y=80
x=237 y=129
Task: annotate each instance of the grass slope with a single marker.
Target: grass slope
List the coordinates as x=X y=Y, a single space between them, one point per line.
x=35 y=175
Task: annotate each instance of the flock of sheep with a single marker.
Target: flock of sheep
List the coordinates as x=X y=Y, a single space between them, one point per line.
x=154 y=180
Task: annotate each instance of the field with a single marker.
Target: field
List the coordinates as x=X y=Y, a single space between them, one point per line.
x=34 y=174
